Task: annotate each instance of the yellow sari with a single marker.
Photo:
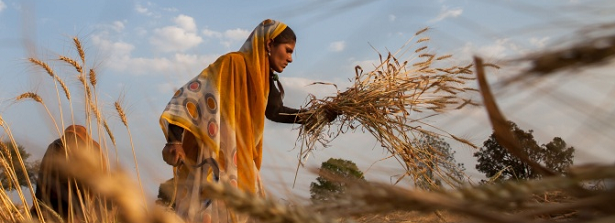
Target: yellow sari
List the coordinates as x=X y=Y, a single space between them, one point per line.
x=224 y=109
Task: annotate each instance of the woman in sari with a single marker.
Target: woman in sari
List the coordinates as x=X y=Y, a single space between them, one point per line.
x=214 y=124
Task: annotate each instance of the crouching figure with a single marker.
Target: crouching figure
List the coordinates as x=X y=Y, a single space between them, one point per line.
x=59 y=193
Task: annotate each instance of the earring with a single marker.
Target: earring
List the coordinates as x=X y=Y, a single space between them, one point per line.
x=268 y=53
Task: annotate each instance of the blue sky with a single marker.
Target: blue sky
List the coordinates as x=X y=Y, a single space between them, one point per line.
x=142 y=50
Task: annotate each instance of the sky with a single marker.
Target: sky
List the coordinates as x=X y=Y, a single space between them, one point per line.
x=143 y=50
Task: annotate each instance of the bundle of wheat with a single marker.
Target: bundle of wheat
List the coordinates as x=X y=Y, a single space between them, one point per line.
x=392 y=103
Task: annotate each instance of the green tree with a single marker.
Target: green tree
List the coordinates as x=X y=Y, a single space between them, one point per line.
x=557 y=155
x=493 y=159
x=439 y=158
x=7 y=153
x=340 y=171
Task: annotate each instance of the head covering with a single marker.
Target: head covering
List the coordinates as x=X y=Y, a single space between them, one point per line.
x=81 y=133
x=76 y=137
x=254 y=48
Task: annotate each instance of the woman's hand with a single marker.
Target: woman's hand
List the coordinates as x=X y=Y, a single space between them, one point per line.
x=173 y=153
x=331 y=114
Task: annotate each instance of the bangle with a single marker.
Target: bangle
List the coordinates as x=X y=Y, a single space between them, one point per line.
x=174 y=143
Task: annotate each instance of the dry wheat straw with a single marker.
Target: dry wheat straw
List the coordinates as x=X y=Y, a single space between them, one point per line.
x=420 y=49
x=266 y=210
x=424 y=39
x=73 y=63
x=444 y=57
x=10 y=169
x=42 y=65
x=117 y=186
x=122 y=115
x=421 y=31
x=95 y=111
x=30 y=95
x=93 y=77
x=486 y=202
x=37 y=98
x=109 y=132
x=79 y=50
x=88 y=91
x=8 y=211
x=57 y=80
x=501 y=130
x=391 y=102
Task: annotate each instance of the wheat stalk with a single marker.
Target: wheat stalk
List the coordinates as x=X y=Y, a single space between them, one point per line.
x=93 y=77
x=265 y=210
x=30 y=95
x=108 y=130
x=73 y=63
x=79 y=50
x=122 y=115
x=37 y=98
x=9 y=169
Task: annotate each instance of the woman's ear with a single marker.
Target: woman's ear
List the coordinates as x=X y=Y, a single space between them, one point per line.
x=269 y=45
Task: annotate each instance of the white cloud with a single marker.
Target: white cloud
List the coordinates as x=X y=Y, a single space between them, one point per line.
x=177 y=38
x=107 y=29
x=119 y=58
x=236 y=34
x=211 y=33
x=141 y=31
x=231 y=36
x=2 y=6
x=172 y=9
x=501 y=48
x=113 y=49
x=392 y=18
x=140 y=9
x=446 y=13
x=228 y=37
x=337 y=46
x=193 y=60
x=180 y=67
x=118 y=26
x=539 y=42
x=141 y=65
x=366 y=65
x=186 y=22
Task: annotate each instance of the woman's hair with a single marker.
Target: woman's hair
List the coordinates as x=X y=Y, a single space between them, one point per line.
x=286 y=36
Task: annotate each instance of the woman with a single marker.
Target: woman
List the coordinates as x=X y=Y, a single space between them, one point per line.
x=69 y=199
x=214 y=124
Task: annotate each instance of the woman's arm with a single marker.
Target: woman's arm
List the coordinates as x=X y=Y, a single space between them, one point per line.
x=276 y=111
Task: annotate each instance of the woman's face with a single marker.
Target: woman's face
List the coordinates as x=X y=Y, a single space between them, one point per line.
x=281 y=56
